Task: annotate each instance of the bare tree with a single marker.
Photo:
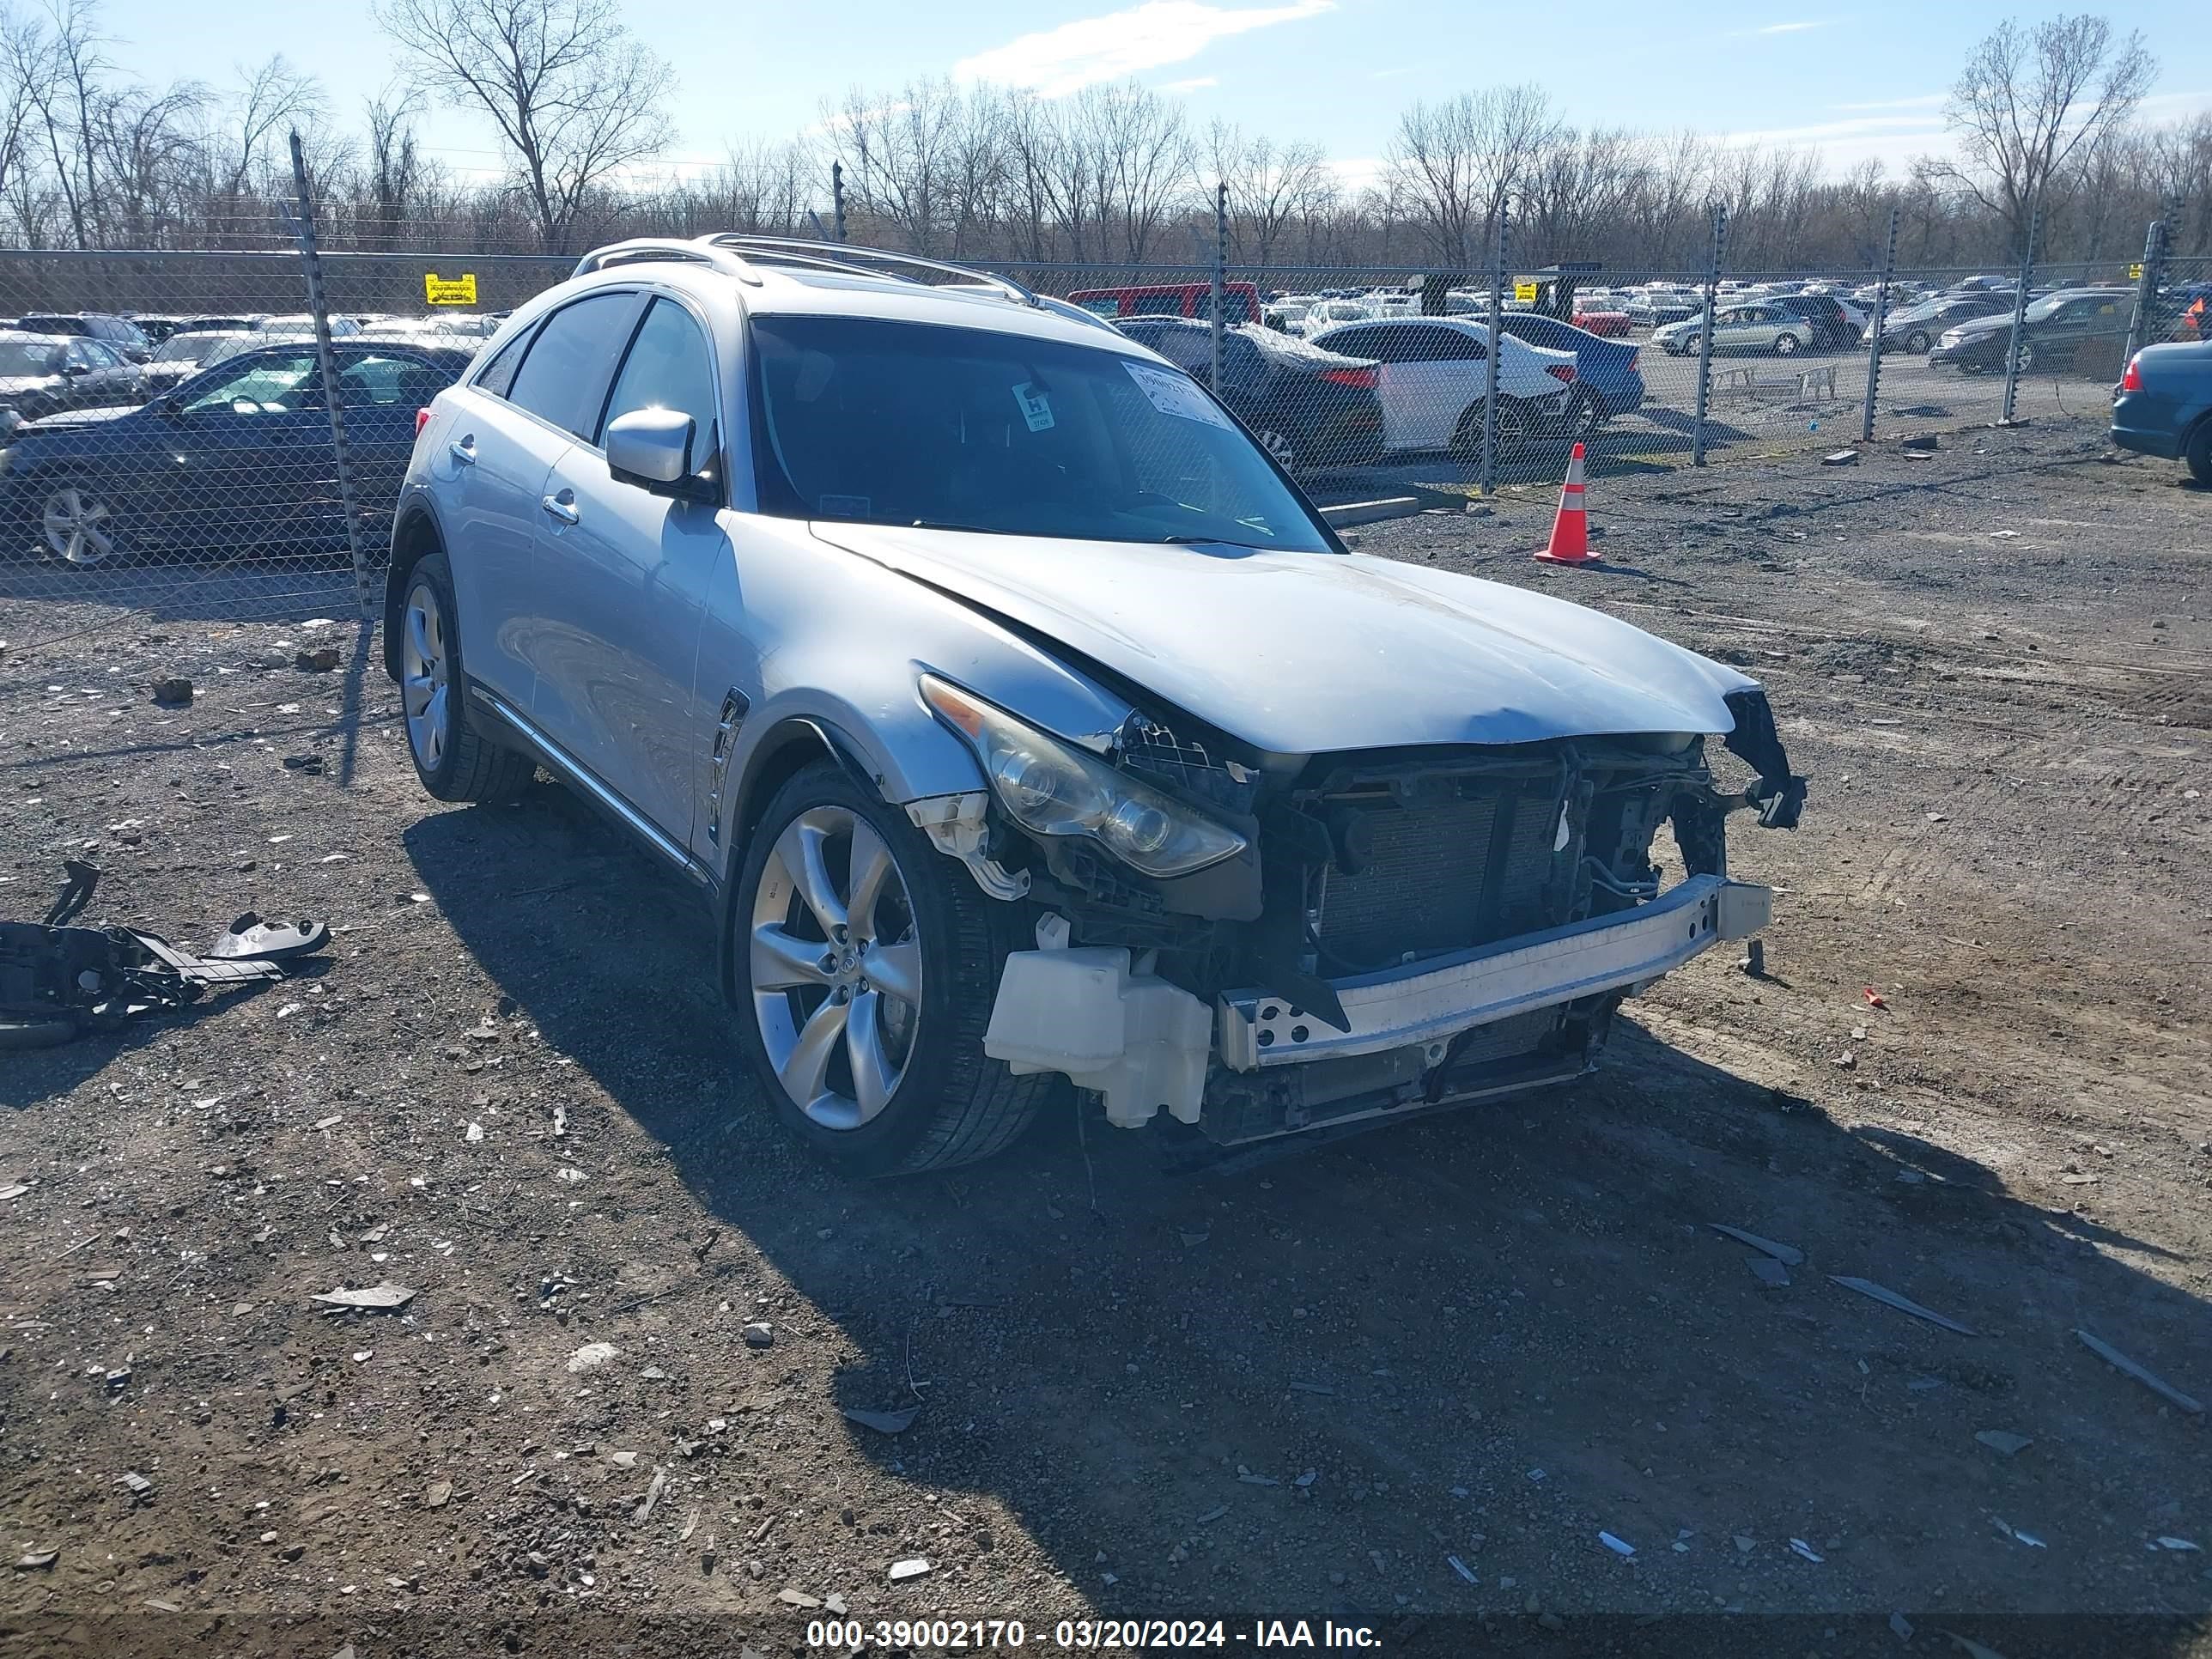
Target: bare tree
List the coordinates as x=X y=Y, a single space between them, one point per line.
x=1270 y=186
x=1133 y=144
x=571 y=94
x=270 y=100
x=2029 y=97
x=1455 y=163
x=395 y=179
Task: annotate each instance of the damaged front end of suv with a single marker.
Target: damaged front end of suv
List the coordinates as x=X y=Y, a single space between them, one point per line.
x=1258 y=943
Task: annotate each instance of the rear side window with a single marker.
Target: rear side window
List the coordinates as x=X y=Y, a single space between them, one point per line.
x=563 y=378
x=498 y=376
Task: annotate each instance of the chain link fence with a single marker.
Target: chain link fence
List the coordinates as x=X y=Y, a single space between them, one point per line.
x=171 y=451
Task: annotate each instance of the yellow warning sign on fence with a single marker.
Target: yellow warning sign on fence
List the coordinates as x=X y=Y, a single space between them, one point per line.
x=2135 y=273
x=1525 y=292
x=449 y=290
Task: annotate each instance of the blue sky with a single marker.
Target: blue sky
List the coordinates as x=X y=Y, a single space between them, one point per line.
x=1857 y=79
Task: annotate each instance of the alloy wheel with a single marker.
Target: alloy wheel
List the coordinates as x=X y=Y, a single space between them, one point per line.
x=80 y=527
x=1785 y=345
x=835 y=967
x=425 y=679
x=1279 y=448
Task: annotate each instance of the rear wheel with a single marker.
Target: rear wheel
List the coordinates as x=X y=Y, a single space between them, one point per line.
x=2198 y=452
x=1918 y=340
x=451 y=757
x=1785 y=345
x=2026 y=356
x=865 y=973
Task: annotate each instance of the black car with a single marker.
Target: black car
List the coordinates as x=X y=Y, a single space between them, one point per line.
x=2081 y=329
x=1608 y=379
x=1833 y=327
x=237 y=457
x=120 y=333
x=1917 y=328
x=43 y=375
x=1306 y=407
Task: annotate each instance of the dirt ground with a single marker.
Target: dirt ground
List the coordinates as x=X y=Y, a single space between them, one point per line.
x=1403 y=1382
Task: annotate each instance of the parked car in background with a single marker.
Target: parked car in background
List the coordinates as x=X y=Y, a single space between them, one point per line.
x=1307 y=407
x=236 y=458
x=1656 y=306
x=2080 y=329
x=1835 y=324
x=43 y=375
x=118 y=333
x=1609 y=374
x=1756 y=325
x=1916 y=328
x=1604 y=321
x=1328 y=314
x=1436 y=381
x=183 y=355
x=2163 y=406
x=1240 y=301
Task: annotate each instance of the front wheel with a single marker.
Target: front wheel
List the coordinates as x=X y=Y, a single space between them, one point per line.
x=2026 y=356
x=1917 y=340
x=77 y=524
x=1281 y=447
x=1786 y=345
x=865 y=969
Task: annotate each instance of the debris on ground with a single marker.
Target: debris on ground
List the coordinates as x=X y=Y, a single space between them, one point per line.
x=1840 y=457
x=759 y=1335
x=1806 y=1550
x=2004 y=1440
x=1874 y=998
x=1461 y=1569
x=176 y=690
x=1618 y=1545
x=2119 y=1361
x=902 y=1570
x=138 y=1486
x=651 y=1501
x=376 y=1298
x=1788 y=1255
x=320 y=660
x=1769 y=1272
x=591 y=1355
x=1902 y=1304
x=2013 y=1533
x=437 y=1494
x=896 y=1422
x=31 y=1560
x=1970 y=1647
x=1900 y=1628
x=2182 y=1544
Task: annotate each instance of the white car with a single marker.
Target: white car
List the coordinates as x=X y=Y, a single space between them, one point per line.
x=1435 y=377
x=1328 y=314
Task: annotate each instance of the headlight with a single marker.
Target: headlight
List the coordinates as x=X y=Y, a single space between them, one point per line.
x=1952 y=337
x=1050 y=789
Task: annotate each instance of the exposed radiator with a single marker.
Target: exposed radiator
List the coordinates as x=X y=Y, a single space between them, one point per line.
x=1441 y=876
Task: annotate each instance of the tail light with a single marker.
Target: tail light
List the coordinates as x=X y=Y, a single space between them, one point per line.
x=1562 y=371
x=421 y=420
x=2132 y=381
x=1365 y=379
x=1635 y=361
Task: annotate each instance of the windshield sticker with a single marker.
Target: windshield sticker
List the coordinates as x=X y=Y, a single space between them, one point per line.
x=1034 y=409
x=1173 y=394
x=845 y=507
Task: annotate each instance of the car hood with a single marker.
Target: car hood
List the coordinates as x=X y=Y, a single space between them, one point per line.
x=77 y=418
x=27 y=386
x=1308 y=652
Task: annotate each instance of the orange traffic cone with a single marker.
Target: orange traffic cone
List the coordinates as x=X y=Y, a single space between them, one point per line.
x=1570 y=528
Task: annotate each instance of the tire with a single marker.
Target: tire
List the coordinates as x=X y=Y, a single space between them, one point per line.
x=454 y=760
x=2027 y=356
x=77 y=524
x=1787 y=345
x=923 y=1095
x=1917 y=340
x=1281 y=446
x=2198 y=453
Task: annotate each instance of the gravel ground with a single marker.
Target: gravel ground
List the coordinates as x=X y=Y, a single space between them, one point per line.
x=1402 y=1382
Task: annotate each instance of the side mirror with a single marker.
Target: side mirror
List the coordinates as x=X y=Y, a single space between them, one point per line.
x=76 y=371
x=652 y=449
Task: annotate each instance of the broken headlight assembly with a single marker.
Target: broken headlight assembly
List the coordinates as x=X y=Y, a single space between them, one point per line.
x=1051 y=789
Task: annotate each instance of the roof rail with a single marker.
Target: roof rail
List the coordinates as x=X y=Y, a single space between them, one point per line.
x=641 y=249
x=860 y=261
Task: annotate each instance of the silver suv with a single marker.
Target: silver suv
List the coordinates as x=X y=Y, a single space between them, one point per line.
x=1017 y=719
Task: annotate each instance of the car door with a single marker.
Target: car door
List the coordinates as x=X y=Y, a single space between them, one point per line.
x=231 y=470
x=622 y=573
x=108 y=378
x=381 y=390
x=515 y=418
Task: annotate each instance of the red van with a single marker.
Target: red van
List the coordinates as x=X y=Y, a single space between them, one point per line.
x=1240 y=301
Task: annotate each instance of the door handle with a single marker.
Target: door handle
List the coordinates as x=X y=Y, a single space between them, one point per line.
x=464 y=450
x=561 y=507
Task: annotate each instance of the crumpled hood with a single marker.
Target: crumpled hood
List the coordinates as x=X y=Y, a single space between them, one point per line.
x=1307 y=652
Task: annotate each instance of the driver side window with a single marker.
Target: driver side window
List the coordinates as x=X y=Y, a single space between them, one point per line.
x=269 y=386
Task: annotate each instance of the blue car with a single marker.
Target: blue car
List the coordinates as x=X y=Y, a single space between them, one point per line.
x=1608 y=382
x=2163 y=406
x=236 y=458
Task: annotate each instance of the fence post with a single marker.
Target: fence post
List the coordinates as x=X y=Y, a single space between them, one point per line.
x=1706 y=333
x=1490 y=370
x=311 y=261
x=1874 y=334
x=837 y=196
x=2154 y=261
x=2020 y=312
x=1220 y=260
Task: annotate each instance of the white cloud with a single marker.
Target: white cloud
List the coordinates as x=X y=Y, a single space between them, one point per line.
x=1196 y=83
x=1149 y=36
x=1925 y=101
x=1777 y=28
x=1356 y=172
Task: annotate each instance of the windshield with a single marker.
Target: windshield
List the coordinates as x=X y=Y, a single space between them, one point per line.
x=20 y=357
x=2042 y=310
x=956 y=429
x=185 y=348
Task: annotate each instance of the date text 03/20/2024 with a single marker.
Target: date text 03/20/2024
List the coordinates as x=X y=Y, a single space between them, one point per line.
x=1085 y=1635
